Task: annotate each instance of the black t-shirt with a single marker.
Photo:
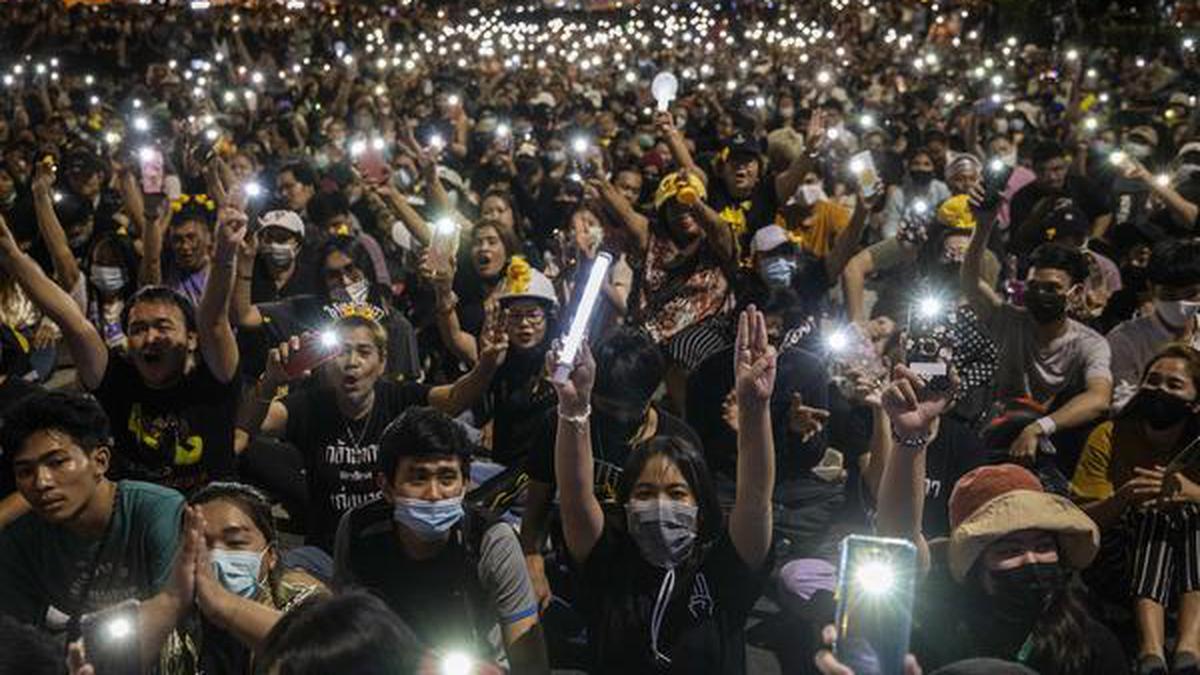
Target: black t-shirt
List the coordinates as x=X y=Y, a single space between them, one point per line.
x=797 y=372
x=302 y=282
x=956 y=450
x=756 y=211
x=703 y=628
x=610 y=448
x=340 y=455
x=180 y=437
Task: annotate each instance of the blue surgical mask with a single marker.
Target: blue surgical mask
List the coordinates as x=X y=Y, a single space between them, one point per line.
x=108 y=279
x=777 y=272
x=238 y=571
x=430 y=521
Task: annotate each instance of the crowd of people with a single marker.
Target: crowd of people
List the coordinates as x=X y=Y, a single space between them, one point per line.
x=283 y=293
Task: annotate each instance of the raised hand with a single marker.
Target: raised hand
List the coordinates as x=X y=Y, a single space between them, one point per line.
x=574 y=393
x=231 y=228
x=912 y=406
x=494 y=337
x=754 y=360
x=805 y=421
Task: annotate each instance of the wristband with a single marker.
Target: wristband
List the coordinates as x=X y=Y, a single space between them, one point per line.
x=912 y=442
x=1047 y=425
x=577 y=420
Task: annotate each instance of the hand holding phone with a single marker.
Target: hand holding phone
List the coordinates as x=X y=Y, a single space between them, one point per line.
x=315 y=349
x=874 y=596
x=110 y=639
x=862 y=166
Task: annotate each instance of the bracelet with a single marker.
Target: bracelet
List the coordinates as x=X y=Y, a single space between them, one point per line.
x=246 y=277
x=577 y=420
x=1047 y=425
x=911 y=441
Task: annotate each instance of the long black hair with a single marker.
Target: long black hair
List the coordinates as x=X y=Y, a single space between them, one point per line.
x=1058 y=638
x=353 y=249
x=690 y=462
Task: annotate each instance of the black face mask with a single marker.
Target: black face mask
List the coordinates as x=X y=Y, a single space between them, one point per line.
x=1021 y=596
x=1046 y=307
x=921 y=178
x=1158 y=408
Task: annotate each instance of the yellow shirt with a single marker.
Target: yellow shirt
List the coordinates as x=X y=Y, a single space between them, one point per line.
x=815 y=234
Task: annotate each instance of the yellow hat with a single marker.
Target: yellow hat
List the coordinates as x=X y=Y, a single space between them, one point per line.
x=686 y=190
x=955 y=213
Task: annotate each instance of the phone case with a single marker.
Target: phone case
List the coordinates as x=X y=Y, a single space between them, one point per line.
x=874 y=595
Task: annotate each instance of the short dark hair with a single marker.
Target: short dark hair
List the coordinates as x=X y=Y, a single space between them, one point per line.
x=165 y=295
x=1060 y=257
x=351 y=632
x=1175 y=262
x=1047 y=150
x=628 y=363
x=302 y=172
x=79 y=416
x=327 y=205
x=422 y=432
x=690 y=462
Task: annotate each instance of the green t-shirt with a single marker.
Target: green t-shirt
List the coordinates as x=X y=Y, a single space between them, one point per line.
x=43 y=567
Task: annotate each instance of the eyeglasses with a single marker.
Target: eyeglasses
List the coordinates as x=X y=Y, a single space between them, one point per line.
x=534 y=317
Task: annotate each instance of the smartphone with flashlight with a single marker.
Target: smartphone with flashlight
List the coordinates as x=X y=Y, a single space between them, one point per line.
x=110 y=639
x=443 y=244
x=150 y=160
x=874 y=596
x=927 y=345
x=862 y=166
x=316 y=348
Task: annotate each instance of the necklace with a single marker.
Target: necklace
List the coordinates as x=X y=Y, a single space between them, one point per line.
x=356 y=442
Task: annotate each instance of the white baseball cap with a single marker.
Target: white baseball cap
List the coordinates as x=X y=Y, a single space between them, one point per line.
x=283 y=219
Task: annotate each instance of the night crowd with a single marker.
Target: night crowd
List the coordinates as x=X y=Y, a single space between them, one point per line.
x=288 y=380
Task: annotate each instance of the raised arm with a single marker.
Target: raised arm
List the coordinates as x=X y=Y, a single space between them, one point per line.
x=913 y=412
x=466 y=391
x=980 y=295
x=243 y=311
x=213 y=332
x=846 y=241
x=616 y=203
x=86 y=346
x=582 y=517
x=412 y=220
x=66 y=267
x=461 y=344
x=150 y=271
x=854 y=281
x=754 y=367
x=665 y=124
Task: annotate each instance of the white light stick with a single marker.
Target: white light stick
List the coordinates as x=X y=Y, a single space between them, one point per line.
x=583 y=315
x=664 y=88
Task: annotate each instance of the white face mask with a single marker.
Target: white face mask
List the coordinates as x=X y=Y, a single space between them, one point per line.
x=1009 y=159
x=1177 y=313
x=1139 y=150
x=811 y=193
